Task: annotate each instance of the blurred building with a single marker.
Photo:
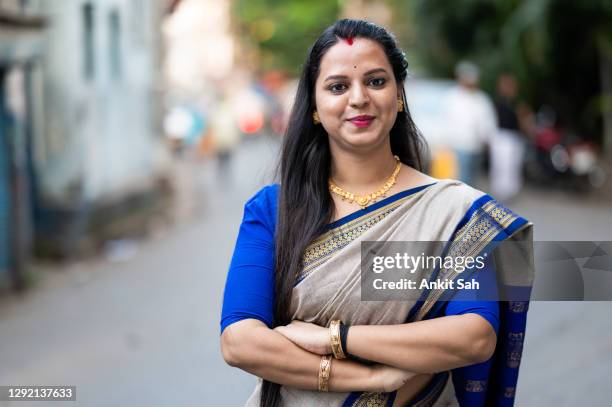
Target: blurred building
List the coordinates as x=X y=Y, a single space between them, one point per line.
x=201 y=45
x=21 y=44
x=84 y=78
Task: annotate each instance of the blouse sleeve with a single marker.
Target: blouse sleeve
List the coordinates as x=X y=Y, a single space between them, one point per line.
x=467 y=301
x=249 y=288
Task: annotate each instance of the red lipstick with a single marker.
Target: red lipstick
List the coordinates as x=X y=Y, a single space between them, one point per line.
x=362 y=121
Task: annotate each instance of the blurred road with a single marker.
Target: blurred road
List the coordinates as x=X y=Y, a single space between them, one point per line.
x=144 y=331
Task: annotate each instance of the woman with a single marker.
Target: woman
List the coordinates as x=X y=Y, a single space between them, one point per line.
x=350 y=172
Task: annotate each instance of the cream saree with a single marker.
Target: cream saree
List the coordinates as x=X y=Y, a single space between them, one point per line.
x=329 y=286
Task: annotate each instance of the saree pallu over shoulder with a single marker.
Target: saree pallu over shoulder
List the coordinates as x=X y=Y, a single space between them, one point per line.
x=486 y=224
x=489 y=228
x=329 y=286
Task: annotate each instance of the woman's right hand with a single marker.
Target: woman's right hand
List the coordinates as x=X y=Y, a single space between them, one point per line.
x=389 y=378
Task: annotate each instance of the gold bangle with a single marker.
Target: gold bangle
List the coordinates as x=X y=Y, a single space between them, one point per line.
x=324 y=372
x=336 y=343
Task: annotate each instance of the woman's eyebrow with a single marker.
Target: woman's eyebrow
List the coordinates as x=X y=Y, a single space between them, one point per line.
x=376 y=70
x=370 y=72
x=333 y=77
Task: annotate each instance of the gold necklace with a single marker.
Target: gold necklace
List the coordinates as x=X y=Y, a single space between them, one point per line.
x=365 y=200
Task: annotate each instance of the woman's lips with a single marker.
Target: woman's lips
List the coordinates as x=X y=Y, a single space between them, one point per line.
x=362 y=121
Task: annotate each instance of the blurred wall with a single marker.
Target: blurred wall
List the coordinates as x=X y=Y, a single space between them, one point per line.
x=101 y=73
x=80 y=116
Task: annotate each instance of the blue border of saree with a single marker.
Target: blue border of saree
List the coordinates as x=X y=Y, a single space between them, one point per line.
x=487 y=223
x=503 y=233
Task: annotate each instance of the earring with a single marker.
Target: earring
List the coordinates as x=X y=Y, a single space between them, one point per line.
x=400 y=105
x=315 y=118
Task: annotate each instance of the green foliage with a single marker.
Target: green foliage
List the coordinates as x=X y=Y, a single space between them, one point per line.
x=553 y=46
x=283 y=30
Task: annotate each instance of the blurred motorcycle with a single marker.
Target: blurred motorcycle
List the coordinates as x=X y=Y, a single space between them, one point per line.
x=562 y=159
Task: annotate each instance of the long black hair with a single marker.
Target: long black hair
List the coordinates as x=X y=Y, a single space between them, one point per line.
x=305 y=205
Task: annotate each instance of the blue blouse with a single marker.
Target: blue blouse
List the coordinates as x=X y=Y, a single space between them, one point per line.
x=249 y=289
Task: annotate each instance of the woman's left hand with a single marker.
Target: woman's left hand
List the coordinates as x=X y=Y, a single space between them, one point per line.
x=308 y=336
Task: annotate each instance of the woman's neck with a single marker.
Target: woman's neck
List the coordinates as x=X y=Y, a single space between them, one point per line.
x=362 y=173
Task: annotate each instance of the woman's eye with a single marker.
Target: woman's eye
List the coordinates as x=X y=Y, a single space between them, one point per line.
x=337 y=87
x=378 y=82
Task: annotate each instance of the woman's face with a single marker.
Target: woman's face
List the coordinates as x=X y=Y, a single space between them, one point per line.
x=356 y=94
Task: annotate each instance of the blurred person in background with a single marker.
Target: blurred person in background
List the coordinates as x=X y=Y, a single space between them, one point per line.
x=507 y=146
x=225 y=135
x=471 y=119
x=350 y=171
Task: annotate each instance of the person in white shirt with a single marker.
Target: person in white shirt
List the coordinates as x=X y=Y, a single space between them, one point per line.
x=507 y=147
x=471 y=120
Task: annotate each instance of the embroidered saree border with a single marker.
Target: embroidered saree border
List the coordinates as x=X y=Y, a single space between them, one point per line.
x=372 y=400
x=323 y=248
x=483 y=226
x=425 y=398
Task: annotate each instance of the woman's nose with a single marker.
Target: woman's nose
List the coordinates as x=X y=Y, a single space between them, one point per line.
x=358 y=96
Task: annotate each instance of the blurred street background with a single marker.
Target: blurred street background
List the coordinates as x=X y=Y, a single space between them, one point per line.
x=132 y=132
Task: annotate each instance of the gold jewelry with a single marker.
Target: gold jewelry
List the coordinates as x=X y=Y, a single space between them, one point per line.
x=334 y=335
x=400 y=105
x=315 y=117
x=324 y=372
x=365 y=200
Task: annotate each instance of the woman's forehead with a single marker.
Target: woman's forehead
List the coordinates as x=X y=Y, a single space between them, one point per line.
x=362 y=55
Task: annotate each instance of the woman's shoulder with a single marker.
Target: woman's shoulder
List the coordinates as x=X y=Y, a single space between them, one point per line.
x=449 y=192
x=267 y=195
x=264 y=204
x=454 y=195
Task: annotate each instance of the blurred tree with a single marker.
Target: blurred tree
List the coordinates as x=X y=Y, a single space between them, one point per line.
x=560 y=51
x=282 y=31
